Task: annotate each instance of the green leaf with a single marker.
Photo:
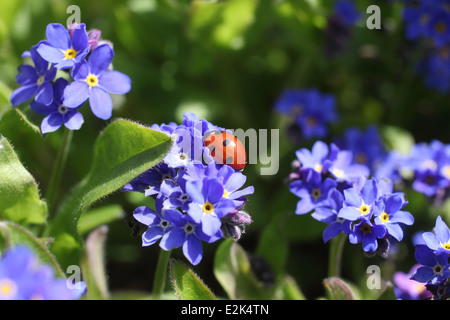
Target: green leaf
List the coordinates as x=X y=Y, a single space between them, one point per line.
x=187 y=285
x=123 y=151
x=14 y=234
x=233 y=271
x=287 y=289
x=19 y=194
x=93 y=265
x=338 y=289
x=273 y=245
x=93 y=218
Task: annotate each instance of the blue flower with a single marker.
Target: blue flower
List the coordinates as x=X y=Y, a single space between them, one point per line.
x=56 y=113
x=407 y=289
x=317 y=158
x=150 y=181
x=329 y=215
x=94 y=82
x=186 y=233
x=23 y=277
x=366 y=146
x=347 y=12
x=311 y=111
x=439 y=240
x=35 y=81
x=208 y=204
x=392 y=217
x=312 y=191
x=157 y=224
x=361 y=204
x=368 y=233
x=63 y=50
x=434 y=266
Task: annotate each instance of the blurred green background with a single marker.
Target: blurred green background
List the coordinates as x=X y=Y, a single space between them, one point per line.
x=228 y=61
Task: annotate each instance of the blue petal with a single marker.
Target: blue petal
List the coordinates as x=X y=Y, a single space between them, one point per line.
x=195 y=211
x=395 y=230
x=331 y=231
x=441 y=230
x=81 y=71
x=100 y=59
x=43 y=109
x=23 y=94
x=58 y=36
x=58 y=90
x=27 y=75
x=304 y=206
x=431 y=240
x=369 y=243
x=75 y=94
x=349 y=213
x=215 y=190
x=44 y=93
x=50 y=53
x=425 y=256
x=151 y=235
x=101 y=104
x=210 y=224
x=224 y=207
x=403 y=217
x=173 y=239
x=423 y=274
x=51 y=123
x=73 y=120
x=370 y=191
x=352 y=197
x=80 y=38
x=393 y=204
x=115 y=82
x=194 y=190
x=145 y=215
x=192 y=250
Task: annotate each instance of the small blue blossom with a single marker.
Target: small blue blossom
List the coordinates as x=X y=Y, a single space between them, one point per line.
x=438 y=241
x=368 y=233
x=186 y=233
x=24 y=277
x=407 y=289
x=208 y=204
x=312 y=191
x=94 y=82
x=57 y=113
x=61 y=49
x=35 y=81
x=347 y=12
x=311 y=111
x=434 y=266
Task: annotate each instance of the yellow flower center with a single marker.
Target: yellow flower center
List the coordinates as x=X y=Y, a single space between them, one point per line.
x=208 y=207
x=8 y=288
x=40 y=80
x=384 y=217
x=225 y=193
x=318 y=168
x=446 y=171
x=311 y=121
x=446 y=246
x=364 y=209
x=297 y=110
x=70 y=54
x=365 y=228
x=92 y=80
x=440 y=27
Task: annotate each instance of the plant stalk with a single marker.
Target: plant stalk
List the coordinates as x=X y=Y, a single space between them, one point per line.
x=335 y=255
x=159 y=282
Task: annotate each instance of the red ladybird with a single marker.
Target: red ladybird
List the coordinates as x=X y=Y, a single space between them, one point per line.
x=225 y=148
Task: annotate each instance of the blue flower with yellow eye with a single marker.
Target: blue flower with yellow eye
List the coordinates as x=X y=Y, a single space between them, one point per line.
x=63 y=50
x=439 y=240
x=94 y=82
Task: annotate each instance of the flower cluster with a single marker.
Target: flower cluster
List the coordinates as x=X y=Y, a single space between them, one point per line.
x=311 y=111
x=430 y=21
x=426 y=168
x=23 y=277
x=434 y=259
x=407 y=289
x=342 y=194
x=87 y=59
x=196 y=198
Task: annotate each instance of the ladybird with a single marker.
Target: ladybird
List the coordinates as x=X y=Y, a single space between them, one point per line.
x=226 y=148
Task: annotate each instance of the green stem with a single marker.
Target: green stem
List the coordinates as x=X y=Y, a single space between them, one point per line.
x=159 y=282
x=58 y=168
x=335 y=255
